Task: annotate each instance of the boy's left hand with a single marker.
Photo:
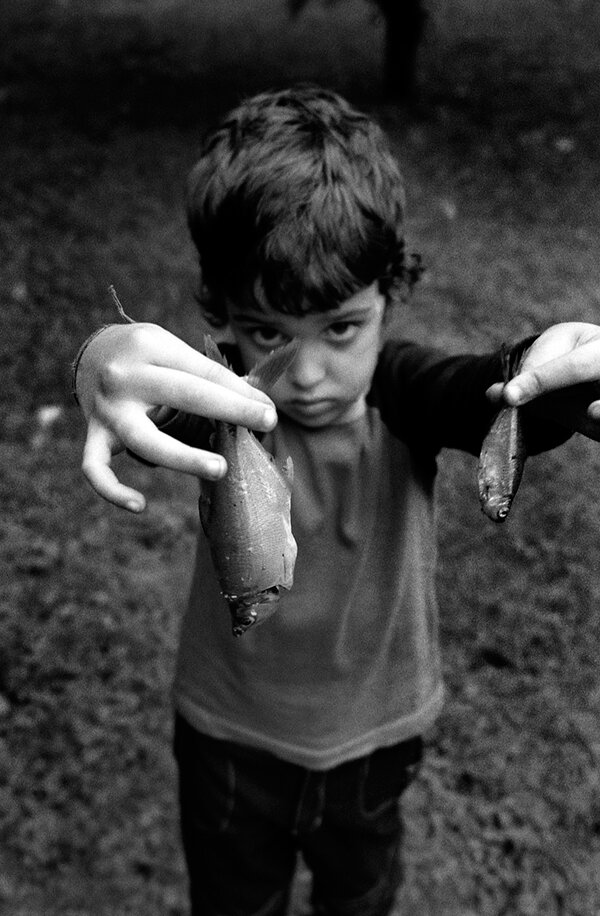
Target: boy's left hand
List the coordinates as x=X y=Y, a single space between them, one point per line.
x=562 y=370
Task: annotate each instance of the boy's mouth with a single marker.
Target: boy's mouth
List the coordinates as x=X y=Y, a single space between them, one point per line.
x=310 y=406
x=313 y=412
x=322 y=411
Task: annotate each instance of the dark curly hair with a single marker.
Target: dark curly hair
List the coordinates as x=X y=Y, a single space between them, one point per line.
x=297 y=203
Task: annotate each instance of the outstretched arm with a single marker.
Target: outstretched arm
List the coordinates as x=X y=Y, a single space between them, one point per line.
x=126 y=376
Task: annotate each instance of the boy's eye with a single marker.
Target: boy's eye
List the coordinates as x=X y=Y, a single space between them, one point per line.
x=342 y=330
x=267 y=337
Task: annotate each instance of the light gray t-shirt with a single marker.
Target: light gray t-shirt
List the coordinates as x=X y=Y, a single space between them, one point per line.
x=350 y=661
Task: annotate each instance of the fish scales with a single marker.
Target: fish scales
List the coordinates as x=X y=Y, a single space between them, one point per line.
x=502 y=457
x=245 y=519
x=501 y=464
x=246 y=514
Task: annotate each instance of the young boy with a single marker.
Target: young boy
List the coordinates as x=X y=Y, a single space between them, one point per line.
x=303 y=734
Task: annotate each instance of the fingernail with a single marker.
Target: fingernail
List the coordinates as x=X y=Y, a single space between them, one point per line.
x=270 y=416
x=594 y=411
x=134 y=505
x=516 y=393
x=216 y=466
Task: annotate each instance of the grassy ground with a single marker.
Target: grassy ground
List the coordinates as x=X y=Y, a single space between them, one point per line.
x=502 y=172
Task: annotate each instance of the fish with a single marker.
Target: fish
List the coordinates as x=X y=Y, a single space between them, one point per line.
x=503 y=455
x=246 y=515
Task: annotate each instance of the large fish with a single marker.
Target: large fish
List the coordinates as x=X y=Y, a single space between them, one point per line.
x=502 y=457
x=246 y=514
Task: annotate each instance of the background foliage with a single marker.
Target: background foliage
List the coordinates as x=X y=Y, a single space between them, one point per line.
x=102 y=113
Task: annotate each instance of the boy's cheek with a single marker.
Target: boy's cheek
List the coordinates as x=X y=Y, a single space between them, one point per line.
x=280 y=393
x=387 y=327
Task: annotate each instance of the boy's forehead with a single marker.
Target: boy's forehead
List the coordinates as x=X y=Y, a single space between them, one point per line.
x=364 y=301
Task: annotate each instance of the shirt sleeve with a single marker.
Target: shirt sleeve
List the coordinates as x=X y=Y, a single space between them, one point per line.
x=432 y=401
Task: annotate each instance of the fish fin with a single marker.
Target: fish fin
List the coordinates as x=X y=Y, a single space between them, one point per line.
x=204 y=507
x=287 y=469
x=212 y=351
x=264 y=375
x=505 y=362
x=511 y=363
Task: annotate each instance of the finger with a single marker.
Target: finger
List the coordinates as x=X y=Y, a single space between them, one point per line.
x=180 y=356
x=579 y=365
x=97 y=455
x=143 y=439
x=183 y=391
x=558 y=341
x=494 y=393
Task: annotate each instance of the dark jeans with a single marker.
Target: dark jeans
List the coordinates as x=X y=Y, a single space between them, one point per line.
x=245 y=814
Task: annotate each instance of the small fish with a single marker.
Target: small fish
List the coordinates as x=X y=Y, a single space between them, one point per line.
x=502 y=456
x=246 y=514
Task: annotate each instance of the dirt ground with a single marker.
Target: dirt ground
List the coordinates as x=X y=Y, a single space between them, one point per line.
x=502 y=169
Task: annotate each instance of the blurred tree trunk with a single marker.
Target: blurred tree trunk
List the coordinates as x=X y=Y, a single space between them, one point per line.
x=405 y=24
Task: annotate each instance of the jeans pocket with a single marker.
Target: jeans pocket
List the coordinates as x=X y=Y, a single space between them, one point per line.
x=207 y=779
x=386 y=773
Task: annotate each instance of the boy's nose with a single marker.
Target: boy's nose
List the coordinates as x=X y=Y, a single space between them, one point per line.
x=306 y=370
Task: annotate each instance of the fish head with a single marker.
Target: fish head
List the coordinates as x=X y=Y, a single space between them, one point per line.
x=248 y=610
x=497 y=507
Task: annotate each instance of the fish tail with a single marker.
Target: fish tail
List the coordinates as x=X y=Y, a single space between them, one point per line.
x=507 y=368
x=212 y=351
x=264 y=375
x=511 y=362
x=266 y=372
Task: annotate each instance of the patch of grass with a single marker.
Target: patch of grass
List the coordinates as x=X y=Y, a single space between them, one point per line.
x=138 y=49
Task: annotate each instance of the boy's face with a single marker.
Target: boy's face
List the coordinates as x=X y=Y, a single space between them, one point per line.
x=328 y=380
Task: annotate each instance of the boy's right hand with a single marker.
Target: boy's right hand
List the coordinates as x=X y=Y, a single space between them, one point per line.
x=126 y=375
